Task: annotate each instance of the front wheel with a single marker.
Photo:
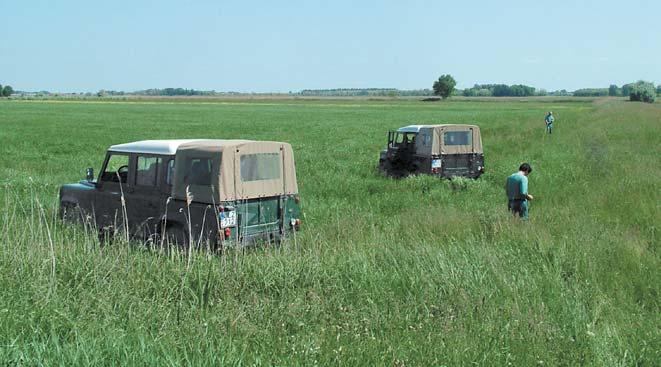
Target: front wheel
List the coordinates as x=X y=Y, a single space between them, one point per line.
x=70 y=212
x=386 y=168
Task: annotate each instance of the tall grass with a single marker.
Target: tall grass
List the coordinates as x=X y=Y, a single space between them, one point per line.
x=398 y=272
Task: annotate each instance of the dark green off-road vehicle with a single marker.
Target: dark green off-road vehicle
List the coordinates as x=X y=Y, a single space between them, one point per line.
x=213 y=192
x=447 y=151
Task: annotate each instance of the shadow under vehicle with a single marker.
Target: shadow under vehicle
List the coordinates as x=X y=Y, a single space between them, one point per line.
x=446 y=150
x=213 y=192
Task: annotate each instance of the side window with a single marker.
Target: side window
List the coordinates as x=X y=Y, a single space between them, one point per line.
x=117 y=169
x=426 y=138
x=198 y=171
x=147 y=171
x=169 y=173
x=261 y=166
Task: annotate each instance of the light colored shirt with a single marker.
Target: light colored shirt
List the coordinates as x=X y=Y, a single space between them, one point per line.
x=549 y=119
x=516 y=186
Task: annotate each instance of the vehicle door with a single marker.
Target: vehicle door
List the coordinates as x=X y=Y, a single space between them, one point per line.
x=145 y=201
x=404 y=157
x=423 y=148
x=113 y=180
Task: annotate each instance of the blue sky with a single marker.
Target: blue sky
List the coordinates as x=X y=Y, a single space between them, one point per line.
x=261 y=46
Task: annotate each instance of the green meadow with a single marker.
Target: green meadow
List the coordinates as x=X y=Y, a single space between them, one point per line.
x=410 y=272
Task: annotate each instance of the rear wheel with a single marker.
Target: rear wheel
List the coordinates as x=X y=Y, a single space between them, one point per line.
x=107 y=235
x=175 y=237
x=274 y=239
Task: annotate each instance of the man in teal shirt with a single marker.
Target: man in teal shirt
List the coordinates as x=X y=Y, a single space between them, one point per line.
x=549 y=119
x=516 y=188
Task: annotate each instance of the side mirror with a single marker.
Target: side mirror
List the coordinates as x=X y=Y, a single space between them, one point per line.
x=90 y=174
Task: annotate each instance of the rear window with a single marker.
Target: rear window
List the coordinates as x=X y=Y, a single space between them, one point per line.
x=458 y=138
x=198 y=171
x=261 y=166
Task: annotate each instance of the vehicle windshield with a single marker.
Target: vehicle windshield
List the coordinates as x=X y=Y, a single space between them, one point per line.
x=116 y=169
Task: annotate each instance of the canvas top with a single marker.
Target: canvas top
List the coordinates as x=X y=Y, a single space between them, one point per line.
x=215 y=170
x=169 y=146
x=446 y=138
x=416 y=128
x=212 y=171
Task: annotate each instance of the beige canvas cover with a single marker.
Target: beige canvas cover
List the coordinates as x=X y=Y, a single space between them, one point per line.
x=240 y=169
x=438 y=147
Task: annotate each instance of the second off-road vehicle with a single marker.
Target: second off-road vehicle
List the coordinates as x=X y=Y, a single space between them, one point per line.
x=446 y=150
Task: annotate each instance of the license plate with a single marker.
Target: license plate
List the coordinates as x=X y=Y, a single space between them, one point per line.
x=227 y=219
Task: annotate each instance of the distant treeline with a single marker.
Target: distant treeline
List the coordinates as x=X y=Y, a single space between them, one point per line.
x=639 y=91
x=175 y=92
x=591 y=92
x=501 y=90
x=337 y=92
x=478 y=90
x=613 y=90
x=365 y=92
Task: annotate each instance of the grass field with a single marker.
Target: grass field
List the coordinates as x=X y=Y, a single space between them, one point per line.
x=385 y=272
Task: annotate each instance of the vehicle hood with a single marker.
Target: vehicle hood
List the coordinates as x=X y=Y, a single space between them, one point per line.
x=73 y=188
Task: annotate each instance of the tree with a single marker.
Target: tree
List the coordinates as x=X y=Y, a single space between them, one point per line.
x=591 y=92
x=520 y=90
x=643 y=92
x=501 y=90
x=444 y=86
x=613 y=90
x=626 y=89
x=7 y=91
x=658 y=89
x=516 y=91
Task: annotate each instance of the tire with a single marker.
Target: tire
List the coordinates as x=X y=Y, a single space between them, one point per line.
x=175 y=236
x=274 y=239
x=106 y=235
x=70 y=212
x=386 y=168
